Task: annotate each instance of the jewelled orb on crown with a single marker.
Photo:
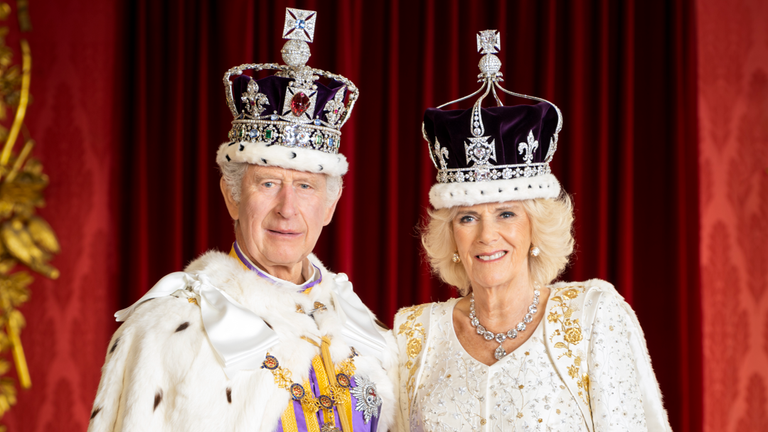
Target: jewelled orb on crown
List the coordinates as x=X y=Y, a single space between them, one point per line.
x=289 y=119
x=495 y=154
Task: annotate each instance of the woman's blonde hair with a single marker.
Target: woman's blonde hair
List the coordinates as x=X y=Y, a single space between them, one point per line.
x=551 y=231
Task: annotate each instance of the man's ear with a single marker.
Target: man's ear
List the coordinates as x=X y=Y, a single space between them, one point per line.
x=331 y=210
x=232 y=206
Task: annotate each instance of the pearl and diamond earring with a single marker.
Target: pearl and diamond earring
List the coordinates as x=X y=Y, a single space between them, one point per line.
x=535 y=251
x=456 y=258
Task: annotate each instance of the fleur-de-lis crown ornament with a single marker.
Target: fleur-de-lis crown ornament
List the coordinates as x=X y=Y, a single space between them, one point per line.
x=289 y=119
x=495 y=154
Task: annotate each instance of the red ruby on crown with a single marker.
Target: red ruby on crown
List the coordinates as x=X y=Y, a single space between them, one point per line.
x=299 y=104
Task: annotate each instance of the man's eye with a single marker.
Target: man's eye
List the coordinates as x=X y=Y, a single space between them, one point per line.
x=268 y=184
x=305 y=186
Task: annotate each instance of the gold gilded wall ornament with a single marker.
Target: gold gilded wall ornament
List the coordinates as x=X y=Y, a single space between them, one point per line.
x=25 y=238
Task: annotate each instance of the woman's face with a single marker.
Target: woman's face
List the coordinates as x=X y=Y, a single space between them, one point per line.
x=493 y=241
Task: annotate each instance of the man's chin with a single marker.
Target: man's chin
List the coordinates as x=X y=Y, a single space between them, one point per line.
x=284 y=259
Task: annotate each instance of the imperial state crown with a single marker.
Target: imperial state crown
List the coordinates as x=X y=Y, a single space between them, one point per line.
x=289 y=119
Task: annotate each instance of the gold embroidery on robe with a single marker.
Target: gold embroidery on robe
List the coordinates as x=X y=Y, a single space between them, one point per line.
x=569 y=335
x=415 y=334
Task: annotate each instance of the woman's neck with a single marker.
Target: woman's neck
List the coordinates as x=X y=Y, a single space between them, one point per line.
x=499 y=308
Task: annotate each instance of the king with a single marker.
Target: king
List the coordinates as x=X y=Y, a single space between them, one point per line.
x=263 y=338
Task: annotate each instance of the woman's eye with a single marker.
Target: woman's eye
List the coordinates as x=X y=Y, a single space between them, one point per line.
x=466 y=219
x=507 y=214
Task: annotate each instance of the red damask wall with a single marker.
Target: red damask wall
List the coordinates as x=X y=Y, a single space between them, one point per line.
x=733 y=164
x=74 y=118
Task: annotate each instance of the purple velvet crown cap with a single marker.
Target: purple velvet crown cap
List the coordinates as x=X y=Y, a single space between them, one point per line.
x=274 y=88
x=507 y=126
x=503 y=157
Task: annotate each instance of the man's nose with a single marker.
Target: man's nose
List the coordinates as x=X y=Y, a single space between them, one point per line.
x=286 y=206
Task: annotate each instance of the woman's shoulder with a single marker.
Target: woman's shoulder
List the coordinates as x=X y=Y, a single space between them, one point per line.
x=591 y=289
x=411 y=313
x=415 y=320
x=586 y=298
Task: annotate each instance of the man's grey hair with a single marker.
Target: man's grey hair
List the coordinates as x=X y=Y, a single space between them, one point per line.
x=233 y=173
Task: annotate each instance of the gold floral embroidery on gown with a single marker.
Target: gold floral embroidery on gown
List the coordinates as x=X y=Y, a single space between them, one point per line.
x=569 y=335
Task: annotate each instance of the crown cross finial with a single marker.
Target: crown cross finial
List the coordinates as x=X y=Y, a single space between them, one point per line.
x=299 y=24
x=299 y=29
x=488 y=42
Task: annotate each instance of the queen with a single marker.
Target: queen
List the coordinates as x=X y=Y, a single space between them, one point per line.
x=515 y=351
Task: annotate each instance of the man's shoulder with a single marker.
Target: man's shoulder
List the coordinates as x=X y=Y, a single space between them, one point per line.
x=160 y=314
x=162 y=331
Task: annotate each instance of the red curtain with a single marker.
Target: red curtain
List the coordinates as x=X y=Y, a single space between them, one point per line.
x=623 y=73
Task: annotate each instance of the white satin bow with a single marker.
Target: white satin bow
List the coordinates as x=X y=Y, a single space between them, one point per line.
x=239 y=337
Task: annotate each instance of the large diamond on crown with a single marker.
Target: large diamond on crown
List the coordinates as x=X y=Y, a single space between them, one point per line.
x=479 y=151
x=482 y=174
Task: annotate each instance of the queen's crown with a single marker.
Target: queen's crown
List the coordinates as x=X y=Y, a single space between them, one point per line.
x=497 y=143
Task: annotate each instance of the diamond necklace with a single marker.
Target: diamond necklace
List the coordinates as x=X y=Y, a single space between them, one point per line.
x=501 y=337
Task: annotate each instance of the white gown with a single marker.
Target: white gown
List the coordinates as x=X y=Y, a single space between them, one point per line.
x=585 y=368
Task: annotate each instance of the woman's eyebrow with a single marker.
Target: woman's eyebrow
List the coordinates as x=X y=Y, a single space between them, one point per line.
x=467 y=212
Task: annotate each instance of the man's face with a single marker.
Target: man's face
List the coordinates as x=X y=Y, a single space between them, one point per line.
x=280 y=215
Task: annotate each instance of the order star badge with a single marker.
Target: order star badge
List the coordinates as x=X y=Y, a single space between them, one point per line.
x=368 y=400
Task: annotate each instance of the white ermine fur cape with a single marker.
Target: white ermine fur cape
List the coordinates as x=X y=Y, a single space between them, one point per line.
x=162 y=374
